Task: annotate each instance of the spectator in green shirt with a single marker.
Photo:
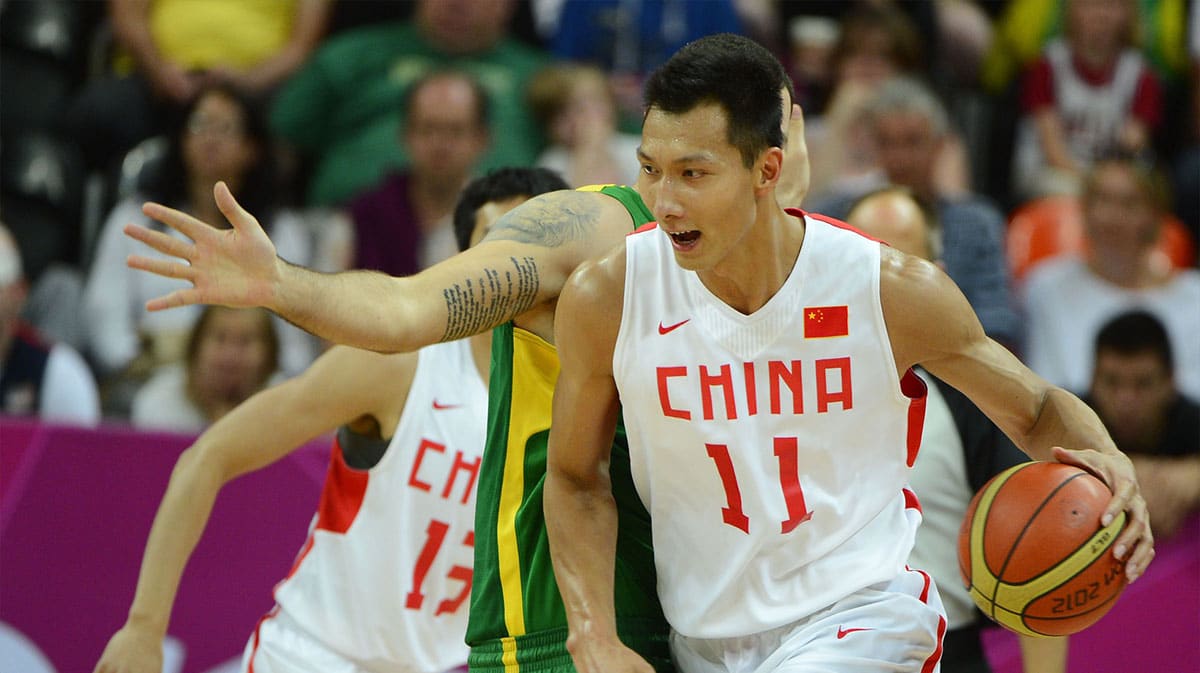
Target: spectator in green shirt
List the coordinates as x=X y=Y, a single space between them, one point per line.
x=344 y=108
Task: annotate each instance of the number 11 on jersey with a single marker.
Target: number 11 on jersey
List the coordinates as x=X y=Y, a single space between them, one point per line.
x=787 y=450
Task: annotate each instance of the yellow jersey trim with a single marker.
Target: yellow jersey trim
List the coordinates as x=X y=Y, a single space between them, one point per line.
x=534 y=371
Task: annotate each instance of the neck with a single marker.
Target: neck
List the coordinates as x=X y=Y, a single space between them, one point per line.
x=760 y=264
x=201 y=204
x=1146 y=439
x=1139 y=271
x=1096 y=56
x=433 y=199
x=215 y=404
x=927 y=191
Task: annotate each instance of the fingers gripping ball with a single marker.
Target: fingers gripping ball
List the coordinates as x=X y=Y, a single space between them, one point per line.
x=1033 y=554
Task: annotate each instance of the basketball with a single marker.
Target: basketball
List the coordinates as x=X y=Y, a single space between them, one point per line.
x=1033 y=554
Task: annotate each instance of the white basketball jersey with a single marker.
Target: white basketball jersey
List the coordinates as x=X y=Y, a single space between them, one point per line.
x=771 y=449
x=385 y=575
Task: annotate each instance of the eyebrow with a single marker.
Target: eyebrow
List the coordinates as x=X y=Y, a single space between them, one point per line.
x=688 y=159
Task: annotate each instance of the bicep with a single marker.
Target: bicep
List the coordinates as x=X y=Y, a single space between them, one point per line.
x=585 y=398
x=931 y=324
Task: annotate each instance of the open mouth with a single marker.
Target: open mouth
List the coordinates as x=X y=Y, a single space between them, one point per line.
x=684 y=239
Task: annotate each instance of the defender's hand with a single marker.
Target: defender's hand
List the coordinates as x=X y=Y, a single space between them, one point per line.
x=232 y=267
x=793 y=183
x=1135 y=545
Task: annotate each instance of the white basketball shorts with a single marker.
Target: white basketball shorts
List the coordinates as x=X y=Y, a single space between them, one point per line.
x=896 y=627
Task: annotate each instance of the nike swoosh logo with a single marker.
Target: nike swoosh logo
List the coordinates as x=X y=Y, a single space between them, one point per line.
x=842 y=633
x=669 y=328
x=439 y=405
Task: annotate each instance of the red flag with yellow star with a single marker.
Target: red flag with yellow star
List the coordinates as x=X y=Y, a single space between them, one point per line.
x=822 y=322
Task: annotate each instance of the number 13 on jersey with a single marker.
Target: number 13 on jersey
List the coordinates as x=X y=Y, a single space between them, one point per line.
x=435 y=536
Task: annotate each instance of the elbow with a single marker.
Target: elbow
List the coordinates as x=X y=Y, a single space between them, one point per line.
x=1036 y=415
x=198 y=467
x=563 y=482
x=1043 y=425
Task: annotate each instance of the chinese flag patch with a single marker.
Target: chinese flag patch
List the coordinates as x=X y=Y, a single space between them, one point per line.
x=822 y=322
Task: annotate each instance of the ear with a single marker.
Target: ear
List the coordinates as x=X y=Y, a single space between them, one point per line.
x=768 y=171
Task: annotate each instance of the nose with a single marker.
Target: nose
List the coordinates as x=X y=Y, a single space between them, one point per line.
x=666 y=205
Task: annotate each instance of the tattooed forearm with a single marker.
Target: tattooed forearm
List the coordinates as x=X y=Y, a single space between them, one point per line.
x=499 y=295
x=549 y=220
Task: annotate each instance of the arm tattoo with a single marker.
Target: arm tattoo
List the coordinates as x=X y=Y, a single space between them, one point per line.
x=497 y=296
x=550 y=220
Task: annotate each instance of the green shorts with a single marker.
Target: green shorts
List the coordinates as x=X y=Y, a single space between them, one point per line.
x=546 y=651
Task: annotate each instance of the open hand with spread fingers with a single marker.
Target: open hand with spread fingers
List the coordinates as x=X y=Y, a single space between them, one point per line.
x=234 y=267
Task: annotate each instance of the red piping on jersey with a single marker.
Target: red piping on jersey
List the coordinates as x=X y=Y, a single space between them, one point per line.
x=932 y=662
x=342 y=496
x=832 y=222
x=928 y=583
x=910 y=500
x=915 y=390
x=645 y=227
x=257 y=633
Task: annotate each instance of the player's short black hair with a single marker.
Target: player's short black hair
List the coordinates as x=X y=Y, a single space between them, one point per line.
x=734 y=72
x=1133 y=333
x=500 y=185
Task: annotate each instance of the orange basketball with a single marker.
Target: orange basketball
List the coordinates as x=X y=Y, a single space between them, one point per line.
x=1033 y=554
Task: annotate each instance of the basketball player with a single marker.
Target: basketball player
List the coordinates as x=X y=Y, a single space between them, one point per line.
x=385 y=587
x=511 y=280
x=961 y=449
x=762 y=367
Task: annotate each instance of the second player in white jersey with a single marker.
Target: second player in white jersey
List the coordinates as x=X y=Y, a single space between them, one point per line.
x=396 y=539
x=383 y=580
x=788 y=427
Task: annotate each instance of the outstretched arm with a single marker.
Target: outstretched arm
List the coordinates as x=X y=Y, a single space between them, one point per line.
x=581 y=514
x=931 y=324
x=522 y=263
x=341 y=386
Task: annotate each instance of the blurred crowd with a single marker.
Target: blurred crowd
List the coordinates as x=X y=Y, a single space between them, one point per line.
x=1054 y=143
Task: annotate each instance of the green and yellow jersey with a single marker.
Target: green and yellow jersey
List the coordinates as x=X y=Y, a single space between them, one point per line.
x=518 y=622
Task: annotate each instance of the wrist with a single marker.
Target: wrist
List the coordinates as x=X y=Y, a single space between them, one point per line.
x=148 y=624
x=589 y=633
x=277 y=296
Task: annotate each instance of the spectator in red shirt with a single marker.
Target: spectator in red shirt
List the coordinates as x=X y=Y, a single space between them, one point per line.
x=1090 y=94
